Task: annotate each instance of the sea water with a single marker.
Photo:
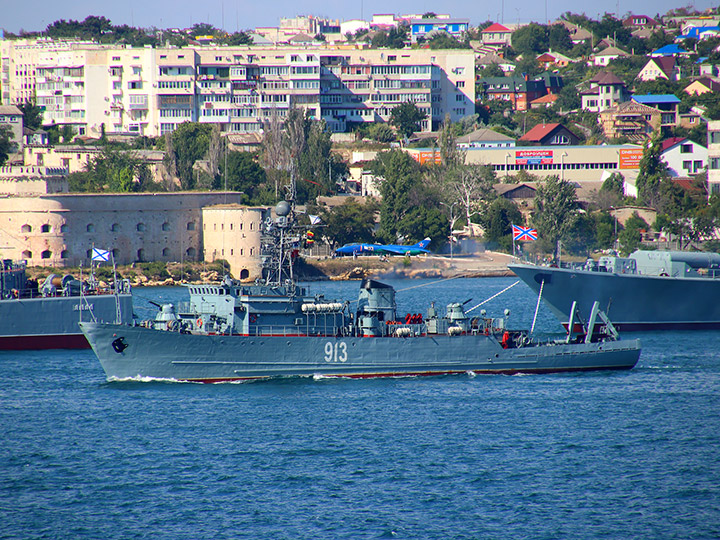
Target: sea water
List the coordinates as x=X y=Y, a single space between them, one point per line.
x=606 y=455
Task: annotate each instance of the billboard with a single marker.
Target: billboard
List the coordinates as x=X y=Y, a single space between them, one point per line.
x=533 y=157
x=630 y=158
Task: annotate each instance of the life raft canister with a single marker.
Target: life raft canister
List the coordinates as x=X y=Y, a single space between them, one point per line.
x=505 y=340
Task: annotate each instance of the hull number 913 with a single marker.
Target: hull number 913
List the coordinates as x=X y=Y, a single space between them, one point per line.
x=336 y=352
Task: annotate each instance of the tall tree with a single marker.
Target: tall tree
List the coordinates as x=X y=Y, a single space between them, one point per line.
x=5 y=144
x=652 y=171
x=32 y=115
x=190 y=143
x=501 y=214
x=472 y=186
x=555 y=211
x=400 y=178
x=349 y=222
x=407 y=117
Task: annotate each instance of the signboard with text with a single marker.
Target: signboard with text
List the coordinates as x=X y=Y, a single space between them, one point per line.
x=630 y=158
x=533 y=157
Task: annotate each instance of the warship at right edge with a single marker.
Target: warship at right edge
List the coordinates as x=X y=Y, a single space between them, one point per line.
x=649 y=290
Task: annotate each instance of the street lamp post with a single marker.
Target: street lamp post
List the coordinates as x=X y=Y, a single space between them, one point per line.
x=452 y=220
x=562 y=165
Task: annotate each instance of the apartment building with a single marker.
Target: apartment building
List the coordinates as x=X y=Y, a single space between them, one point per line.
x=714 y=157
x=148 y=91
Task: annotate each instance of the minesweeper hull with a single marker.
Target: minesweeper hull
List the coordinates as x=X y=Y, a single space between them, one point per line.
x=52 y=322
x=633 y=302
x=158 y=354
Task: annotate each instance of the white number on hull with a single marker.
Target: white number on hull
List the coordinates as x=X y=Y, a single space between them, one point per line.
x=336 y=352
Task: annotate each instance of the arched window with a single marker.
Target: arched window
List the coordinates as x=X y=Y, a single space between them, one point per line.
x=140 y=227
x=26 y=228
x=244 y=273
x=140 y=254
x=64 y=254
x=45 y=228
x=27 y=254
x=166 y=226
x=63 y=227
x=115 y=227
x=115 y=253
x=190 y=252
x=166 y=252
x=45 y=254
x=88 y=253
x=191 y=226
x=90 y=227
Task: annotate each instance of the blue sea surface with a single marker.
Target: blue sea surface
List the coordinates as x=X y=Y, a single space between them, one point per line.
x=606 y=455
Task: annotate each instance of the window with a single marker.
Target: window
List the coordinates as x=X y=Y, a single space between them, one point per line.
x=64 y=254
x=166 y=252
x=697 y=165
x=90 y=227
x=140 y=254
x=687 y=165
x=45 y=254
x=461 y=84
x=714 y=137
x=190 y=252
x=63 y=228
x=191 y=226
x=140 y=227
x=26 y=229
x=135 y=85
x=714 y=163
x=686 y=148
x=45 y=228
x=27 y=254
x=115 y=227
x=166 y=226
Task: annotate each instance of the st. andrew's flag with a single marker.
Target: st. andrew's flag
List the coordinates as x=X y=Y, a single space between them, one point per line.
x=100 y=255
x=523 y=234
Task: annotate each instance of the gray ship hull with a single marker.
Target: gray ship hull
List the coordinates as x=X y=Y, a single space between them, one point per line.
x=134 y=352
x=633 y=302
x=52 y=322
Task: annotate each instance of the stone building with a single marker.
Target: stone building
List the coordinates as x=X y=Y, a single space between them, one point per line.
x=61 y=229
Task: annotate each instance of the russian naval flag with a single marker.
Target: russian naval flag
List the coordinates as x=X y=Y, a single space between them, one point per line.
x=523 y=234
x=100 y=255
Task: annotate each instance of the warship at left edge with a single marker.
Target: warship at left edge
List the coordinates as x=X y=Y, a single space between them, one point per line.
x=234 y=331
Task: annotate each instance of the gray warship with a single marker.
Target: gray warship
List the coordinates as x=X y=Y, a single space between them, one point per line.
x=235 y=331
x=649 y=290
x=46 y=316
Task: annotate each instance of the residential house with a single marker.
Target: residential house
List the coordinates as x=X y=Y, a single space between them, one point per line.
x=666 y=103
x=640 y=21
x=683 y=156
x=492 y=59
x=496 y=35
x=553 y=81
x=630 y=119
x=662 y=67
x=699 y=33
x=577 y=33
x=544 y=101
x=423 y=28
x=703 y=85
x=550 y=60
x=604 y=57
x=606 y=90
x=520 y=91
x=484 y=138
x=669 y=50
x=550 y=135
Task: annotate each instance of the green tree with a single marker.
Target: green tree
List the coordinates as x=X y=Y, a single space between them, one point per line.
x=190 y=143
x=113 y=171
x=5 y=144
x=381 y=132
x=556 y=212
x=349 y=222
x=401 y=178
x=32 y=115
x=407 y=117
x=611 y=192
x=530 y=40
x=652 y=171
x=631 y=236
x=498 y=220
x=243 y=174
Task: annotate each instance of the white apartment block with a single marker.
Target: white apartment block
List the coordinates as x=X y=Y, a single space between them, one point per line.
x=714 y=157
x=149 y=91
